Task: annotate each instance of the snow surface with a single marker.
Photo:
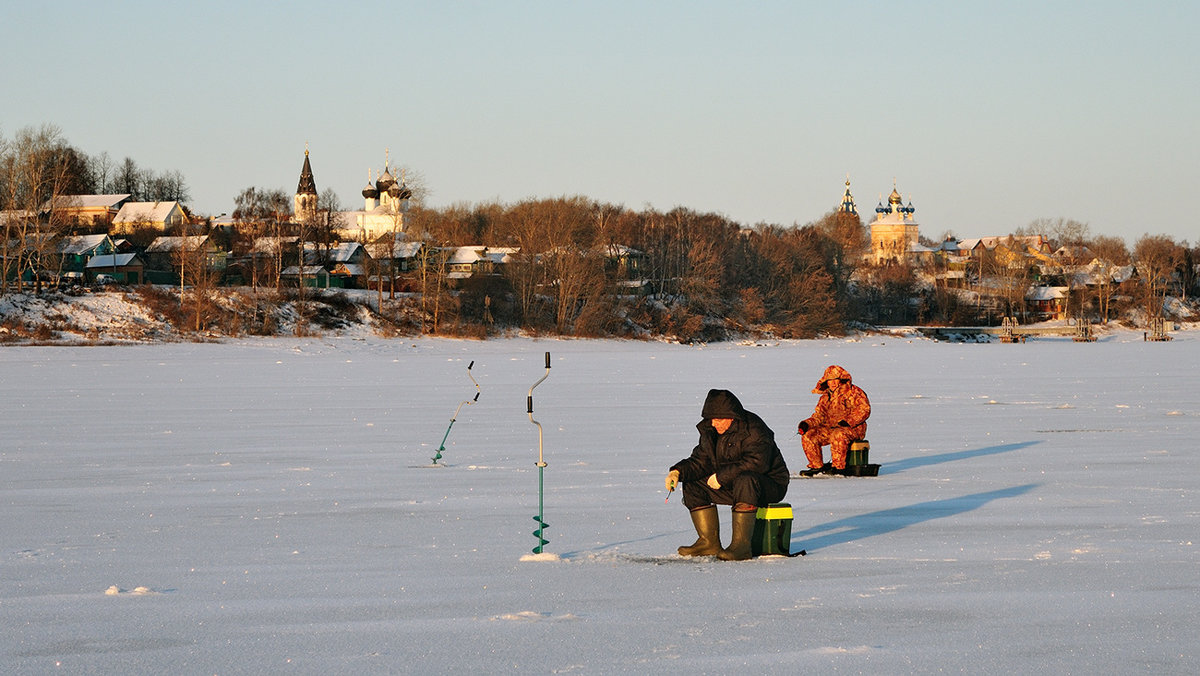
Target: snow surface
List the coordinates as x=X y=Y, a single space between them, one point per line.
x=263 y=506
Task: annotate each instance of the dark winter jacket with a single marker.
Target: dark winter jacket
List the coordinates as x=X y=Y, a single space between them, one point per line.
x=747 y=446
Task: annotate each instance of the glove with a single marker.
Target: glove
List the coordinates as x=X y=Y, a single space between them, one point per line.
x=672 y=479
x=713 y=483
x=843 y=423
x=802 y=427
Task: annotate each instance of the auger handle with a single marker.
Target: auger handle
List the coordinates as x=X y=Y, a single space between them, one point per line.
x=529 y=406
x=529 y=399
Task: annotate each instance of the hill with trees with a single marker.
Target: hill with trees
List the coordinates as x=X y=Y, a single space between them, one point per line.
x=574 y=266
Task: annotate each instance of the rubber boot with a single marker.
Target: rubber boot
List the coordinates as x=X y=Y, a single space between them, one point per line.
x=739 y=542
x=708 y=528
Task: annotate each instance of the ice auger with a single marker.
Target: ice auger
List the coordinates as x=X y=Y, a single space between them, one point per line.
x=466 y=402
x=541 y=465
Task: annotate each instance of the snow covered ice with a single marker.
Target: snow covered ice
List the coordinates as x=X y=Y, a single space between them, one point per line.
x=264 y=506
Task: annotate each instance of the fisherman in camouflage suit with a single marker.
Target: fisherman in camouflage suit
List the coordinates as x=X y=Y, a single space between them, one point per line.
x=840 y=418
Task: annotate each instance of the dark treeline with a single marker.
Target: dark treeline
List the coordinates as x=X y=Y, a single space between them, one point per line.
x=596 y=269
x=588 y=268
x=38 y=163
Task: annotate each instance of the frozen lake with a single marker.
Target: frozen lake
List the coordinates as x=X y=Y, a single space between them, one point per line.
x=261 y=506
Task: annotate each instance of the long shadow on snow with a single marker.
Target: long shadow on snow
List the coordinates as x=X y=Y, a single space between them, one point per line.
x=889 y=520
x=922 y=461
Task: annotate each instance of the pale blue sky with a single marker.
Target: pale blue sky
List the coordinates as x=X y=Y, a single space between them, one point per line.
x=987 y=114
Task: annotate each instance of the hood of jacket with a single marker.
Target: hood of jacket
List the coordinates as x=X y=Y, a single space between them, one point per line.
x=722 y=404
x=834 y=372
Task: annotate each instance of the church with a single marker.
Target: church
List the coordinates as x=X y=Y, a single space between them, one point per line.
x=894 y=232
x=385 y=201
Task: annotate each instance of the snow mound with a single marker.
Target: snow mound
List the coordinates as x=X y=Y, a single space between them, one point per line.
x=531 y=616
x=114 y=590
x=544 y=556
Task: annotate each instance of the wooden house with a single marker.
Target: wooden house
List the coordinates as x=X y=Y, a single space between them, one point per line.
x=85 y=209
x=74 y=252
x=314 y=276
x=156 y=215
x=468 y=261
x=126 y=268
x=164 y=255
x=1047 y=302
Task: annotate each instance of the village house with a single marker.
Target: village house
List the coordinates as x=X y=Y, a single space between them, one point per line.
x=468 y=261
x=1031 y=245
x=341 y=266
x=261 y=260
x=75 y=251
x=403 y=256
x=123 y=268
x=1072 y=255
x=157 y=215
x=346 y=263
x=17 y=219
x=24 y=260
x=165 y=255
x=85 y=210
x=1047 y=302
x=273 y=252
x=394 y=257
x=624 y=262
x=312 y=276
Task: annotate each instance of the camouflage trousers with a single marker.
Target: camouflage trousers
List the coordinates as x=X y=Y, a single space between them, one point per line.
x=837 y=438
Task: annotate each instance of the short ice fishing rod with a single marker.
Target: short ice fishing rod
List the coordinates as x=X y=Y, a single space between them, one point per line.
x=541 y=465
x=466 y=402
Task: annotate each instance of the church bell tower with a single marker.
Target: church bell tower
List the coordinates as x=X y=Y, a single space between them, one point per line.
x=305 y=202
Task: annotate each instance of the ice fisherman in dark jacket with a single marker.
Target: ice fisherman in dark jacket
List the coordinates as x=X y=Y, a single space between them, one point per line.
x=736 y=463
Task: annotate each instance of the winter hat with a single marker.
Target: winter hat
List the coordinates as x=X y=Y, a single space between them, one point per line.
x=722 y=404
x=833 y=372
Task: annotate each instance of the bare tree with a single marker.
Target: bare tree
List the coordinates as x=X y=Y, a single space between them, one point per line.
x=329 y=208
x=279 y=211
x=434 y=262
x=101 y=169
x=1059 y=231
x=701 y=284
x=1187 y=268
x=533 y=225
x=1110 y=254
x=417 y=187
x=888 y=292
x=128 y=179
x=377 y=268
x=576 y=272
x=1156 y=258
x=791 y=274
x=193 y=259
x=35 y=170
x=168 y=186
